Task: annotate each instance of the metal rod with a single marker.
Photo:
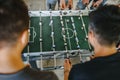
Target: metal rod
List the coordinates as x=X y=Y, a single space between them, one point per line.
x=80 y=55
x=69 y=42
x=28 y=47
x=52 y=31
x=46 y=57
x=76 y=37
x=84 y=28
x=63 y=31
x=28 y=53
x=55 y=61
x=41 y=62
x=53 y=37
x=41 y=40
x=75 y=32
x=56 y=52
x=52 y=68
x=68 y=35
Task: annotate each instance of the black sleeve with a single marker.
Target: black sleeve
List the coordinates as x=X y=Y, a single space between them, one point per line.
x=77 y=73
x=71 y=74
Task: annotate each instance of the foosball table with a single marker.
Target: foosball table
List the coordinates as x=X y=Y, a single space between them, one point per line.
x=57 y=35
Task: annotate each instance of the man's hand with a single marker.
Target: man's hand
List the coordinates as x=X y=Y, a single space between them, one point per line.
x=62 y=4
x=70 y=4
x=97 y=3
x=67 y=68
x=67 y=65
x=85 y=2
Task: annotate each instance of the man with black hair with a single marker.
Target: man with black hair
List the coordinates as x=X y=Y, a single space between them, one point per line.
x=104 y=32
x=14 y=24
x=118 y=46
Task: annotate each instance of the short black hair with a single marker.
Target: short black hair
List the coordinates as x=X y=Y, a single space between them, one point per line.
x=14 y=19
x=105 y=22
x=118 y=43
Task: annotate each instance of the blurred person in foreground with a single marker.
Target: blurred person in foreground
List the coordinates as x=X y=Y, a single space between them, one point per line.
x=14 y=24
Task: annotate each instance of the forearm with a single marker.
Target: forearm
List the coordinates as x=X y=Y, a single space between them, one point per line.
x=66 y=75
